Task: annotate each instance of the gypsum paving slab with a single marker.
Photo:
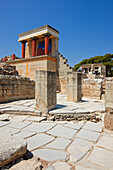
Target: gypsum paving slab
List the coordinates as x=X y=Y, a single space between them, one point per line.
x=40 y=127
x=39 y=140
x=62 y=131
x=50 y=155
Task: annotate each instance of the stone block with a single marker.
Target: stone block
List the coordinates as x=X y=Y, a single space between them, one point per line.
x=74 y=92
x=45 y=91
x=11 y=147
x=108 y=118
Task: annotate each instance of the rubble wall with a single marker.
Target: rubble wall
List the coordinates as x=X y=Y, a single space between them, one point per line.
x=92 y=88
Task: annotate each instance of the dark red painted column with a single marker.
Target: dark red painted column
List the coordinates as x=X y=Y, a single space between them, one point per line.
x=13 y=56
x=23 y=49
x=46 y=44
x=34 y=47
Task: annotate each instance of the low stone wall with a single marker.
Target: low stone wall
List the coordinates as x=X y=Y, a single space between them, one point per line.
x=92 y=88
x=16 y=88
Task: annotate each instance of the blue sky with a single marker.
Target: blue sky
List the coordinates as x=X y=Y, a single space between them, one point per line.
x=86 y=26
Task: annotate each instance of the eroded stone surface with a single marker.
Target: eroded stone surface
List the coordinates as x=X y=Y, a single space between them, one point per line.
x=102 y=157
x=94 y=126
x=26 y=134
x=19 y=125
x=36 y=119
x=78 y=149
x=59 y=166
x=88 y=135
x=38 y=141
x=19 y=118
x=11 y=147
x=50 y=155
x=11 y=130
x=106 y=142
x=40 y=127
x=30 y=164
x=2 y=123
x=59 y=143
x=74 y=125
x=61 y=131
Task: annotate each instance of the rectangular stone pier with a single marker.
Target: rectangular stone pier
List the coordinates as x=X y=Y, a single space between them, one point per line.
x=45 y=91
x=108 y=119
x=74 y=92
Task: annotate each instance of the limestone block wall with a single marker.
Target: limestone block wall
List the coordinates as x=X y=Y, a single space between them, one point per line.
x=62 y=69
x=92 y=88
x=16 y=88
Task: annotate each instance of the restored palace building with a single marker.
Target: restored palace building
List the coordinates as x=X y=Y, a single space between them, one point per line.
x=39 y=51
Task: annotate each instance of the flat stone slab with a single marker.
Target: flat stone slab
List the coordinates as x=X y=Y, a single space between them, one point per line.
x=19 y=118
x=61 y=111
x=19 y=125
x=94 y=126
x=11 y=147
x=59 y=166
x=79 y=167
x=101 y=157
x=50 y=155
x=59 y=143
x=62 y=131
x=71 y=108
x=88 y=135
x=2 y=123
x=36 y=119
x=82 y=111
x=11 y=130
x=40 y=127
x=4 y=117
x=74 y=125
x=38 y=141
x=12 y=109
x=78 y=149
x=25 y=134
x=106 y=142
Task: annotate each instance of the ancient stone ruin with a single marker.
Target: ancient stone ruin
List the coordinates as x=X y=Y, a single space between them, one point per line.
x=13 y=86
x=53 y=126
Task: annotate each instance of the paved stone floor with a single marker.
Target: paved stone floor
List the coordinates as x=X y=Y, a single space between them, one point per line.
x=63 y=145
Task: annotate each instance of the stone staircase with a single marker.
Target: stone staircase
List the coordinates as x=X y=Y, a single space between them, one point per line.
x=62 y=69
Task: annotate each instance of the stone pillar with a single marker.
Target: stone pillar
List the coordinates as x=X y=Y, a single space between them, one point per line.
x=46 y=44
x=34 y=46
x=13 y=56
x=45 y=90
x=23 y=49
x=74 y=86
x=108 y=118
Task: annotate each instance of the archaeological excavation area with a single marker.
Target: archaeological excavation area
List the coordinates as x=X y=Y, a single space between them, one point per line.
x=52 y=117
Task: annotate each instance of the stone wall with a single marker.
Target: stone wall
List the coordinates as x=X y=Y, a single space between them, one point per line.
x=14 y=87
x=92 y=88
x=28 y=66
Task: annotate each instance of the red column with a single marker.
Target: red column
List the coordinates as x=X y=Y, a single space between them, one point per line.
x=23 y=49
x=34 y=47
x=46 y=44
x=13 y=56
